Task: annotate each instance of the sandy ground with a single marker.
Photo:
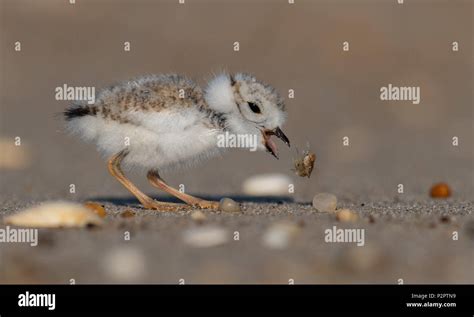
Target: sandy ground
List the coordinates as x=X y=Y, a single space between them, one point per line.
x=409 y=236
x=403 y=240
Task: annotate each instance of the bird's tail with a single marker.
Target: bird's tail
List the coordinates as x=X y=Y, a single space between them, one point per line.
x=76 y=111
x=81 y=120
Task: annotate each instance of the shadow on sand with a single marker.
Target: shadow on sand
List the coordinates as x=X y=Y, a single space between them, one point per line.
x=126 y=201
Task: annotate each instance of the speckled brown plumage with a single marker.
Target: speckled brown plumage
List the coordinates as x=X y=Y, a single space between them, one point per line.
x=150 y=93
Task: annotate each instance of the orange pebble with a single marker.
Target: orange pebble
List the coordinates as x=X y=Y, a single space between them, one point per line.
x=346 y=215
x=440 y=190
x=127 y=214
x=98 y=209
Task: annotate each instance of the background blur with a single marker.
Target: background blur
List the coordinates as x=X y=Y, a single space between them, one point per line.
x=289 y=46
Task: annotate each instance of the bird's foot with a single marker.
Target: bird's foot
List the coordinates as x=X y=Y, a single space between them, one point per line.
x=207 y=204
x=163 y=206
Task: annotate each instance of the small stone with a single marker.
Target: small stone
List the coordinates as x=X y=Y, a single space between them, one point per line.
x=267 y=185
x=14 y=157
x=229 y=205
x=127 y=214
x=124 y=264
x=325 y=202
x=346 y=215
x=363 y=259
x=440 y=190
x=198 y=216
x=279 y=235
x=96 y=208
x=445 y=219
x=469 y=228
x=205 y=237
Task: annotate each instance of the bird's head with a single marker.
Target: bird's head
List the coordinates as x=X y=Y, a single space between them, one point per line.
x=250 y=107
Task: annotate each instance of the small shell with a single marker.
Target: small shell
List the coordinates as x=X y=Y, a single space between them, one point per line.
x=127 y=214
x=280 y=234
x=267 y=185
x=14 y=157
x=96 y=208
x=364 y=259
x=54 y=215
x=205 y=237
x=124 y=264
x=198 y=216
x=229 y=205
x=325 y=202
x=346 y=215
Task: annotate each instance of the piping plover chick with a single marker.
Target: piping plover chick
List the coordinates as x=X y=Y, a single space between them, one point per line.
x=160 y=122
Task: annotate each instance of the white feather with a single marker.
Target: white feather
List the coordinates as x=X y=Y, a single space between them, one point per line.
x=161 y=140
x=219 y=94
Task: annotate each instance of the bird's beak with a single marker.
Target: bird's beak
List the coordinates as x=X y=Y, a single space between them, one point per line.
x=279 y=134
x=269 y=144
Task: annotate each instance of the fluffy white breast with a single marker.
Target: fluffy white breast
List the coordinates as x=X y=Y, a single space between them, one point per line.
x=169 y=139
x=181 y=138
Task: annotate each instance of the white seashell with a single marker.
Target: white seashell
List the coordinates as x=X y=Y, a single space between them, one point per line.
x=54 y=215
x=124 y=264
x=279 y=235
x=267 y=185
x=205 y=237
x=325 y=202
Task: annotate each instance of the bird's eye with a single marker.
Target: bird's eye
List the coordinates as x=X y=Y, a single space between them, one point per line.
x=254 y=107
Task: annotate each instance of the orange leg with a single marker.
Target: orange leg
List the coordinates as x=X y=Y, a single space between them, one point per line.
x=159 y=183
x=147 y=202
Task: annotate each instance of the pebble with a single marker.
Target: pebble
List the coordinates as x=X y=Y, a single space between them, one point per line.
x=445 y=219
x=440 y=190
x=198 y=216
x=205 y=237
x=127 y=214
x=469 y=228
x=55 y=215
x=14 y=157
x=363 y=259
x=124 y=264
x=346 y=215
x=267 y=185
x=96 y=208
x=325 y=202
x=280 y=234
x=229 y=205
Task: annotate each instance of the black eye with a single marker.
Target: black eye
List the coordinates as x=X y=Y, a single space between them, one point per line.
x=254 y=107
